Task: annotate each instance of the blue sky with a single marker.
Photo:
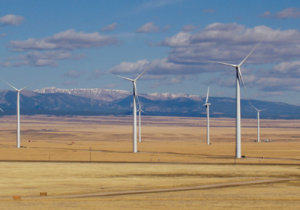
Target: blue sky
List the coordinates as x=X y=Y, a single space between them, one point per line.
x=76 y=44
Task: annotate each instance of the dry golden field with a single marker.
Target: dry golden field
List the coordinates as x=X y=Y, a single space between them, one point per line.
x=78 y=155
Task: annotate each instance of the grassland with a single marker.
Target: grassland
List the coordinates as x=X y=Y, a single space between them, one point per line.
x=76 y=155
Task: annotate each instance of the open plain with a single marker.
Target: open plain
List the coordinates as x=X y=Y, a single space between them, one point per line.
x=83 y=155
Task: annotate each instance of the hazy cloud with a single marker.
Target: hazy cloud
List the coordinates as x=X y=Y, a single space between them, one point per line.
x=11 y=20
x=67 y=40
x=166 y=28
x=96 y=74
x=73 y=74
x=148 y=28
x=171 y=81
x=36 y=58
x=293 y=13
x=268 y=94
x=289 y=69
x=158 y=67
x=70 y=83
x=110 y=27
x=188 y=28
x=111 y=86
x=153 y=4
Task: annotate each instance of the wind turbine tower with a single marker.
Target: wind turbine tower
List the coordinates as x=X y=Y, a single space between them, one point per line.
x=134 y=106
x=239 y=78
x=140 y=126
x=207 y=114
x=258 y=113
x=18 y=112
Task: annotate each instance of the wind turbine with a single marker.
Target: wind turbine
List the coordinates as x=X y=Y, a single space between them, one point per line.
x=134 y=106
x=140 y=126
x=258 y=111
x=207 y=114
x=238 y=100
x=18 y=111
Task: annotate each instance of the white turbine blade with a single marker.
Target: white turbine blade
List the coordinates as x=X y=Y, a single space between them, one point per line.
x=207 y=95
x=27 y=86
x=138 y=100
x=248 y=55
x=241 y=77
x=144 y=112
x=124 y=77
x=1 y=110
x=10 y=85
x=254 y=107
x=226 y=64
x=142 y=73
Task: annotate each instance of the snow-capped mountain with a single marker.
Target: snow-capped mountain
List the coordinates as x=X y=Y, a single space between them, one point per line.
x=94 y=93
x=112 y=95
x=168 y=96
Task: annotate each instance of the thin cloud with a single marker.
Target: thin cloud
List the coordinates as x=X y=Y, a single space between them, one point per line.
x=11 y=20
x=111 y=86
x=67 y=40
x=73 y=74
x=154 y=4
x=110 y=27
x=288 y=13
x=166 y=28
x=96 y=74
x=67 y=83
x=148 y=28
x=174 y=80
x=36 y=58
x=188 y=28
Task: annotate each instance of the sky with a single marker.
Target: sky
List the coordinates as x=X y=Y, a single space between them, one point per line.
x=81 y=44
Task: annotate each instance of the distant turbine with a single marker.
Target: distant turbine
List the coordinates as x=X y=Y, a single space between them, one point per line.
x=134 y=106
x=18 y=112
x=258 y=111
x=238 y=101
x=140 y=126
x=207 y=114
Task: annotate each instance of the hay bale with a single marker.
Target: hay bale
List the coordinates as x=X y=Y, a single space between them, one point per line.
x=16 y=197
x=43 y=193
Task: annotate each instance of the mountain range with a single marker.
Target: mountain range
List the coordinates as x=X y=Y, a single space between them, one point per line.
x=96 y=101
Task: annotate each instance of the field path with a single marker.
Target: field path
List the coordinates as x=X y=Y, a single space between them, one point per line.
x=202 y=187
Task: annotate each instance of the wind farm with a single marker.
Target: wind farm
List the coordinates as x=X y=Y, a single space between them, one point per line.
x=184 y=136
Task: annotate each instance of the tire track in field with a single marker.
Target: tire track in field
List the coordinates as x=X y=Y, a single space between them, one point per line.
x=133 y=192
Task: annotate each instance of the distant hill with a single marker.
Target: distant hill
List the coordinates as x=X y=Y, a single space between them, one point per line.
x=96 y=101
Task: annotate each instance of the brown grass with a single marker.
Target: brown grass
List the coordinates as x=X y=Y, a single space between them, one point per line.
x=166 y=140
